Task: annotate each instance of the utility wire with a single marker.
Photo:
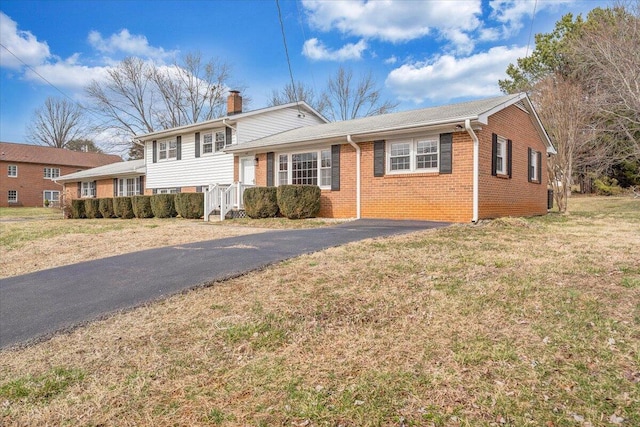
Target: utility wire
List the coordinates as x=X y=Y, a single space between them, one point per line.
x=533 y=17
x=286 y=51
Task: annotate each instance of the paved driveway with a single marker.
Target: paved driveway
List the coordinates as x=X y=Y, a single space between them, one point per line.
x=36 y=305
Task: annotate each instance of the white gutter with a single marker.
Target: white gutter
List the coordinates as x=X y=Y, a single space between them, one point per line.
x=476 y=168
x=358 y=155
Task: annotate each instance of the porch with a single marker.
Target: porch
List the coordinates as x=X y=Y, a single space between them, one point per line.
x=224 y=200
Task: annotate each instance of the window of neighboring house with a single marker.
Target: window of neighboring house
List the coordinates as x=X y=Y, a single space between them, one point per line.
x=305 y=168
x=129 y=186
x=414 y=155
x=51 y=172
x=12 y=196
x=53 y=196
x=12 y=171
x=220 y=140
x=167 y=191
x=168 y=150
x=533 y=165
x=88 y=189
x=501 y=156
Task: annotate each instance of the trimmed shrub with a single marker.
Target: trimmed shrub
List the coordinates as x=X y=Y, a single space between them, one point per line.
x=606 y=186
x=106 y=208
x=190 y=205
x=92 y=208
x=163 y=205
x=122 y=207
x=261 y=202
x=77 y=209
x=299 y=201
x=141 y=206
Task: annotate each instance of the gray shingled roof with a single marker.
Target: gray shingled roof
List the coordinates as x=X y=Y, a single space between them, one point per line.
x=108 y=171
x=454 y=113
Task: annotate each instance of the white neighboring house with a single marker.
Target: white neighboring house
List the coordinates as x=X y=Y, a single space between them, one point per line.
x=192 y=158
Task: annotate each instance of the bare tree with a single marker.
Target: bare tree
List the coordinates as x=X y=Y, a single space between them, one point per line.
x=560 y=104
x=301 y=92
x=348 y=99
x=83 y=145
x=56 y=123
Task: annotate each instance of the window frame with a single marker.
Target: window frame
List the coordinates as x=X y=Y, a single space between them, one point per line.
x=52 y=201
x=166 y=151
x=501 y=155
x=15 y=171
x=533 y=165
x=51 y=173
x=413 y=154
x=12 y=199
x=123 y=187
x=90 y=191
x=288 y=168
x=173 y=190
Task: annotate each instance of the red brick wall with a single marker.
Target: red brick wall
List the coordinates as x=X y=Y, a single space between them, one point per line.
x=30 y=183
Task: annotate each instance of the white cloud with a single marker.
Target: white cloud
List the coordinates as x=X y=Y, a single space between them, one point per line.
x=22 y=44
x=67 y=74
x=446 y=77
x=397 y=21
x=512 y=13
x=127 y=43
x=391 y=60
x=316 y=50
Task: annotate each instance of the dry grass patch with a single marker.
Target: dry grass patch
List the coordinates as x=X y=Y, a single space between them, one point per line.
x=498 y=324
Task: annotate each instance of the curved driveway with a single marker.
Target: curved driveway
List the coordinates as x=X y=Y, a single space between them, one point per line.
x=36 y=305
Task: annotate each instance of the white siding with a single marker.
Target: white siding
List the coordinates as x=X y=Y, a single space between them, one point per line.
x=262 y=125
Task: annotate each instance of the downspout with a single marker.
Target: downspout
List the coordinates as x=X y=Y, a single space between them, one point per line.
x=358 y=155
x=476 y=168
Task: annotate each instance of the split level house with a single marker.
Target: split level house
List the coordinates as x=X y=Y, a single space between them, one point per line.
x=28 y=172
x=459 y=163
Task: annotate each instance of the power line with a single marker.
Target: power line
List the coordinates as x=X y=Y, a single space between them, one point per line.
x=533 y=17
x=286 y=51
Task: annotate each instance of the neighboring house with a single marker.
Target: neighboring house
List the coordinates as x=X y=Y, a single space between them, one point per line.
x=28 y=172
x=117 y=179
x=459 y=163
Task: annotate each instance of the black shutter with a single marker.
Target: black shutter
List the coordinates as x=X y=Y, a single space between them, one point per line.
x=494 y=154
x=197 y=144
x=270 y=168
x=509 y=151
x=95 y=188
x=115 y=187
x=141 y=184
x=154 y=191
x=539 y=167
x=155 y=151
x=227 y=136
x=179 y=189
x=79 y=190
x=529 y=165
x=378 y=158
x=178 y=148
x=199 y=189
x=335 y=167
x=446 y=141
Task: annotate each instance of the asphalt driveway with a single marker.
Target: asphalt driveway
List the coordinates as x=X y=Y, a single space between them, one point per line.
x=37 y=305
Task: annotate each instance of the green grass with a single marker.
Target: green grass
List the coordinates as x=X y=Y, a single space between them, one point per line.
x=31 y=213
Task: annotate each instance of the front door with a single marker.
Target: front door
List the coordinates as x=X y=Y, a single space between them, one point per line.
x=247 y=171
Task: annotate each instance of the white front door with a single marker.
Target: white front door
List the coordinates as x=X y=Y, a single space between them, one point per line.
x=247 y=171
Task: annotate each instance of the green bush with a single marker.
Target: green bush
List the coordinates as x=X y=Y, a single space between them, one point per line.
x=163 y=205
x=92 y=208
x=141 y=206
x=77 y=209
x=606 y=186
x=261 y=202
x=299 y=201
x=106 y=208
x=122 y=207
x=190 y=205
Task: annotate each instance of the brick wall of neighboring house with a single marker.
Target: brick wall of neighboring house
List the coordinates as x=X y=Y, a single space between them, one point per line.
x=30 y=183
x=516 y=196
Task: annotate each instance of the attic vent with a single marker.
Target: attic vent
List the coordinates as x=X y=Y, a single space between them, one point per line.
x=521 y=106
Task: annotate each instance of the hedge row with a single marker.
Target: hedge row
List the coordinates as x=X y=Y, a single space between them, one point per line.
x=187 y=205
x=291 y=201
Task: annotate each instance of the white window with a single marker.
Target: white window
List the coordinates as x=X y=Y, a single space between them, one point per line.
x=501 y=156
x=12 y=171
x=413 y=155
x=12 y=196
x=129 y=186
x=51 y=172
x=220 y=140
x=207 y=143
x=305 y=169
x=167 y=191
x=168 y=150
x=88 y=189
x=533 y=168
x=53 y=196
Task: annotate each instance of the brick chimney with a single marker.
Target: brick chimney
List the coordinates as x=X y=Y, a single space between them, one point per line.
x=234 y=103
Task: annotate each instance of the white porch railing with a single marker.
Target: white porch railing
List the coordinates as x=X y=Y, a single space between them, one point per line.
x=224 y=198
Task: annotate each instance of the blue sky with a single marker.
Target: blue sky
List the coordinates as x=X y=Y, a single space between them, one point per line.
x=421 y=53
